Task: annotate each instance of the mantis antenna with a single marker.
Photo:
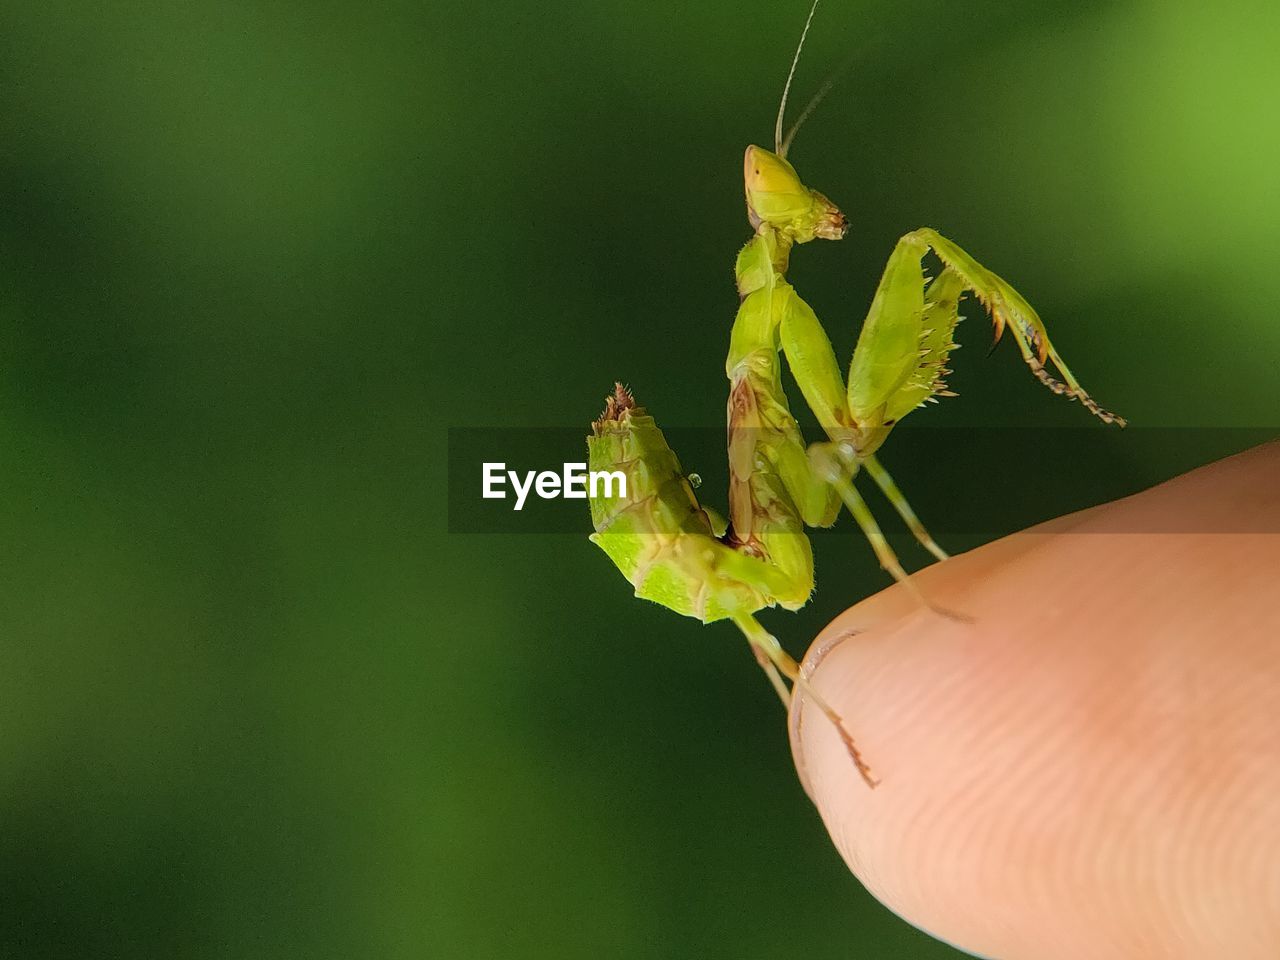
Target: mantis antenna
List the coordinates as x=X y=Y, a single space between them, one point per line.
x=804 y=114
x=779 y=144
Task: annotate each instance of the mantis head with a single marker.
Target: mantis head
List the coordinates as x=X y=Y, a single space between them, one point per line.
x=776 y=196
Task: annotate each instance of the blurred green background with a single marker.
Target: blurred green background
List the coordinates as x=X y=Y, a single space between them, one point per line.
x=257 y=258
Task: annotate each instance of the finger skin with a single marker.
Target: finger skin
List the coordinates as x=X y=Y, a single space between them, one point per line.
x=1091 y=768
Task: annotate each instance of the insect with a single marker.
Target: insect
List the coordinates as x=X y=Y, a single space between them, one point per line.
x=684 y=556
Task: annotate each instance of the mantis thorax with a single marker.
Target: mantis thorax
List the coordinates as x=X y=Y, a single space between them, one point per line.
x=763 y=261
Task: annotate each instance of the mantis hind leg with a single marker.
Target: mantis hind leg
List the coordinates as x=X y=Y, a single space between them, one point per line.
x=771 y=671
x=776 y=662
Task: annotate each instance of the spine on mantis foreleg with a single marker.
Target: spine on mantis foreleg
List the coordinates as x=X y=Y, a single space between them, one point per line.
x=900 y=376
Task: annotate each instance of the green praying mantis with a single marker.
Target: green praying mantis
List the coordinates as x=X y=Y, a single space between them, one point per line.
x=684 y=556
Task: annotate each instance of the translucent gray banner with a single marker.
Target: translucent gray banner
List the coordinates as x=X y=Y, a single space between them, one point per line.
x=975 y=482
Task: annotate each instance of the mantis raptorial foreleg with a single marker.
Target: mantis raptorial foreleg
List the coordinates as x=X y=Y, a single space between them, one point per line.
x=899 y=364
x=899 y=361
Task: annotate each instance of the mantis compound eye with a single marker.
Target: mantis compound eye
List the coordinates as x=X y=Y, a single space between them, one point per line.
x=766 y=172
